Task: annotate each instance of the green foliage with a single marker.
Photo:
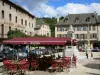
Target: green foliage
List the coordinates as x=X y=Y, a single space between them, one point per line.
x=15 y=33
x=39 y=35
x=61 y=17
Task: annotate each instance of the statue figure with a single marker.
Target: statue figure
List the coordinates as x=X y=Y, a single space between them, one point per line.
x=70 y=32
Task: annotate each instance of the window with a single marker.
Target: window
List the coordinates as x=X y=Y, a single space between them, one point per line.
x=32 y=25
x=30 y=33
x=16 y=19
x=22 y=21
x=82 y=36
x=25 y=23
x=3 y=3
x=9 y=17
x=77 y=36
x=29 y=24
x=85 y=28
x=93 y=16
x=77 y=20
x=10 y=6
x=94 y=35
x=66 y=20
x=59 y=29
x=9 y=28
x=89 y=27
x=93 y=28
x=66 y=28
x=79 y=28
x=2 y=14
x=58 y=35
x=88 y=19
x=64 y=35
x=85 y=36
x=2 y=31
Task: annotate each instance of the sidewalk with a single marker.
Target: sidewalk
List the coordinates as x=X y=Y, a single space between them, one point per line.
x=87 y=67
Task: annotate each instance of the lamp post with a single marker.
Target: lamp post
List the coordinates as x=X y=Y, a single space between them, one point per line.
x=88 y=38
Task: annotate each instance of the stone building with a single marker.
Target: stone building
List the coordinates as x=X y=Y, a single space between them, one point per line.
x=13 y=16
x=86 y=27
x=42 y=28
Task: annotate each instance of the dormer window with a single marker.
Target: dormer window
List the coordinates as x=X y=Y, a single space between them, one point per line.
x=88 y=19
x=66 y=20
x=77 y=20
x=92 y=16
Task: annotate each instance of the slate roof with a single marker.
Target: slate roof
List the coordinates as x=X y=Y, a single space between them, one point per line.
x=98 y=18
x=82 y=19
x=39 y=23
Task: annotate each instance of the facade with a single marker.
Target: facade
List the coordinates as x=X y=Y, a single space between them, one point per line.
x=13 y=16
x=42 y=28
x=86 y=27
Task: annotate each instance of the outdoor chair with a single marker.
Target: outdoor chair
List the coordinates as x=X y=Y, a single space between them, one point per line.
x=12 y=68
x=55 y=67
x=23 y=67
x=67 y=62
x=34 y=65
x=74 y=61
x=6 y=62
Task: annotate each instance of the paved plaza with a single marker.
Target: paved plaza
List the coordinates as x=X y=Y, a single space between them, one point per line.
x=84 y=67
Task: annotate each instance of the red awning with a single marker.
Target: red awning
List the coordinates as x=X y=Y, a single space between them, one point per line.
x=39 y=40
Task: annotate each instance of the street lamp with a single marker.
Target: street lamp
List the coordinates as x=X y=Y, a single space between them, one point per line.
x=88 y=38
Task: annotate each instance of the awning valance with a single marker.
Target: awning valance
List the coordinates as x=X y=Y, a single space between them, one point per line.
x=39 y=40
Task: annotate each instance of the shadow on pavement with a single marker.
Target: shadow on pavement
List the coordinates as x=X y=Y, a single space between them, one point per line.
x=93 y=66
x=96 y=58
x=93 y=73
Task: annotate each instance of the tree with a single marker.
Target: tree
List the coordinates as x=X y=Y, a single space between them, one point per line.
x=16 y=33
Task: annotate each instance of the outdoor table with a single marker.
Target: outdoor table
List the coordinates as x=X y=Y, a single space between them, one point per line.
x=59 y=63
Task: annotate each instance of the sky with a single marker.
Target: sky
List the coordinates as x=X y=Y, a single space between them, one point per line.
x=52 y=8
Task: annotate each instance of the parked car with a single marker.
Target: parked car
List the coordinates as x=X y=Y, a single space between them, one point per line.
x=36 y=52
x=13 y=55
x=95 y=49
x=3 y=53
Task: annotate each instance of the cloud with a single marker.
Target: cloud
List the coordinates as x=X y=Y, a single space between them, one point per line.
x=75 y=8
x=41 y=8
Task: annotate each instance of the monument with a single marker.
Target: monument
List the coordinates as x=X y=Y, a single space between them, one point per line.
x=71 y=50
